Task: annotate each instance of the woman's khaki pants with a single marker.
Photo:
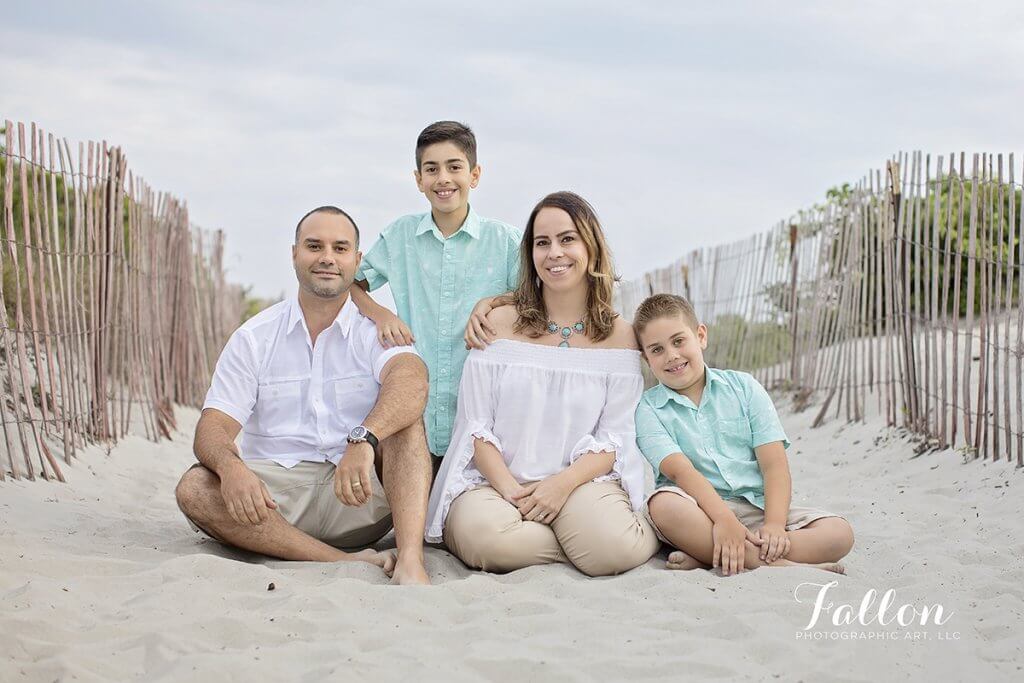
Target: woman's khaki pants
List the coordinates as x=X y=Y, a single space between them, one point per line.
x=596 y=530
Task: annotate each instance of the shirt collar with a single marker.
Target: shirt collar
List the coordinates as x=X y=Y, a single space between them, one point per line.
x=662 y=394
x=471 y=226
x=346 y=316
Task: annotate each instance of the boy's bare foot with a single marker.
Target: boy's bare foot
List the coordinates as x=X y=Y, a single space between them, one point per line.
x=834 y=567
x=410 y=572
x=677 y=559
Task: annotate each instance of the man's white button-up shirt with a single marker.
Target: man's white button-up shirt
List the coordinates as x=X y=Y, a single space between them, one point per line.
x=296 y=401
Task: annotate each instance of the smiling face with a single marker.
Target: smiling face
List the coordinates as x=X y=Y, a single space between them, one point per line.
x=559 y=254
x=325 y=255
x=675 y=352
x=446 y=178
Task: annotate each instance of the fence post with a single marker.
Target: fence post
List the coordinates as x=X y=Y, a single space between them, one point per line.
x=794 y=300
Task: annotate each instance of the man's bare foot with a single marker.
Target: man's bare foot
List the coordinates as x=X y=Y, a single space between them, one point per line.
x=410 y=572
x=385 y=560
x=677 y=559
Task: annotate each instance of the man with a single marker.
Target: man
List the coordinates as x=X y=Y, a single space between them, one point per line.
x=326 y=415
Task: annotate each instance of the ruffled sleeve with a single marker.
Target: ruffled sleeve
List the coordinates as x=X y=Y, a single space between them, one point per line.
x=474 y=419
x=616 y=432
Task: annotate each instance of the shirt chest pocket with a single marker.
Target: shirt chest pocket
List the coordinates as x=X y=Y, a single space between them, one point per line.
x=354 y=397
x=279 y=407
x=735 y=438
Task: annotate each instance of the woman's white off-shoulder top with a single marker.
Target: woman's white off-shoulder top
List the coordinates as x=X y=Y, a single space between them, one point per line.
x=542 y=407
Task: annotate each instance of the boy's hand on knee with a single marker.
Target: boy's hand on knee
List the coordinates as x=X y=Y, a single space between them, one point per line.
x=774 y=542
x=245 y=495
x=729 y=550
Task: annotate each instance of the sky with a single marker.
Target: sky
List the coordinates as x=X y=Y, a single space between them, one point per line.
x=685 y=124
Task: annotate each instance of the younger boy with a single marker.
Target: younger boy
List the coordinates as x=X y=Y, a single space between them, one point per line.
x=715 y=440
x=439 y=265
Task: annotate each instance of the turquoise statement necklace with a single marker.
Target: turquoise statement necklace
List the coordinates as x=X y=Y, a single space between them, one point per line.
x=565 y=332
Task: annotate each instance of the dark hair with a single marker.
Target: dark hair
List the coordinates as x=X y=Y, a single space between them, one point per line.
x=334 y=211
x=529 y=302
x=457 y=133
x=664 y=306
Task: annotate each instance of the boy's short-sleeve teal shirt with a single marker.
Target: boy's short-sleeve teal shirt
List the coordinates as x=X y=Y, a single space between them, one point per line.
x=735 y=416
x=435 y=283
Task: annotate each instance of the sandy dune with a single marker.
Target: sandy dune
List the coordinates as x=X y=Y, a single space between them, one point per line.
x=101 y=579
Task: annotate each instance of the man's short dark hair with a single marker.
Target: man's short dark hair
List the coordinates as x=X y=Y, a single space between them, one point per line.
x=457 y=133
x=332 y=210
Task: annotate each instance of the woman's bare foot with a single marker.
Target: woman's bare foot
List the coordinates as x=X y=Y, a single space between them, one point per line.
x=409 y=571
x=677 y=559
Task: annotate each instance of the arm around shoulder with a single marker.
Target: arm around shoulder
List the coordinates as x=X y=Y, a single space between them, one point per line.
x=503 y=320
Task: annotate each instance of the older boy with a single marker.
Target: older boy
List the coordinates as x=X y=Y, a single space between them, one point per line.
x=439 y=265
x=715 y=440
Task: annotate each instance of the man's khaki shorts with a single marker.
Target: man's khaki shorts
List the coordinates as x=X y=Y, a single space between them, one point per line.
x=749 y=514
x=305 y=498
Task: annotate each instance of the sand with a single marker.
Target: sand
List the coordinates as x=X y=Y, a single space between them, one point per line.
x=101 y=579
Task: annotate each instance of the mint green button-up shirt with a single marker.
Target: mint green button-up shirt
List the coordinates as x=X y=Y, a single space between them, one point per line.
x=435 y=283
x=719 y=436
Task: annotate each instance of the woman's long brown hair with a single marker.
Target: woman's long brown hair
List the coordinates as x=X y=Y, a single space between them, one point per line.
x=529 y=301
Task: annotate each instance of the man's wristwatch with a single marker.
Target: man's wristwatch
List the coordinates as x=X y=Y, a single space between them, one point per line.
x=361 y=434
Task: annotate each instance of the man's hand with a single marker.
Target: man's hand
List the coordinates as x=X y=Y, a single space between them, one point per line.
x=543 y=500
x=352 y=484
x=774 y=542
x=391 y=331
x=479 y=332
x=729 y=552
x=245 y=496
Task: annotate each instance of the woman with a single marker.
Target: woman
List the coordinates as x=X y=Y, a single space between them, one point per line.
x=543 y=465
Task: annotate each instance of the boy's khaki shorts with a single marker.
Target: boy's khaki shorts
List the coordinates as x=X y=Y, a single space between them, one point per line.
x=749 y=514
x=305 y=498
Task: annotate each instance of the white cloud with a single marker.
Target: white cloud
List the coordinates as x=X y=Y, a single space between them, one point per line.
x=684 y=127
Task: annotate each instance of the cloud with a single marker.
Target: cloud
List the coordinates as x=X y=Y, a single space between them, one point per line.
x=685 y=127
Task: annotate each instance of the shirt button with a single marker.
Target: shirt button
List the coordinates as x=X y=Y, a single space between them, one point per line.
x=444 y=371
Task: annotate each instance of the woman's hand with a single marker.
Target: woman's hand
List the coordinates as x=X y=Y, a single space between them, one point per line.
x=542 y=501
x=511 y=491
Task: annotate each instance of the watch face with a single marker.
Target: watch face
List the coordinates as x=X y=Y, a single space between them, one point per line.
x=358 y=433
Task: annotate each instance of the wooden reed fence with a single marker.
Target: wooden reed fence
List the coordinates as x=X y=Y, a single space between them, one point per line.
x=901 y=296
x=116 y=308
